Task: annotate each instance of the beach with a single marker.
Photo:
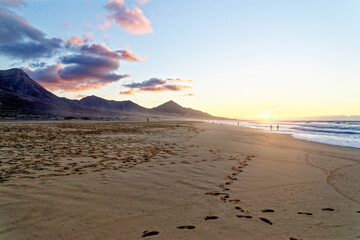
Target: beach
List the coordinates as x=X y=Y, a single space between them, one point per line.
x=173 y=180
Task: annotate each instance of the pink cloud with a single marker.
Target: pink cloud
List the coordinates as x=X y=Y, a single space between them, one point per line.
x=67 y=25
x=105 y=25
x=142 y=2
x=129 y=56
x=128 y=92
x=79 y=96
x=132 y=20
x=79 y=41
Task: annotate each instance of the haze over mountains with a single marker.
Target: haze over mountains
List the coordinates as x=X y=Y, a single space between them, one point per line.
x=20 y=96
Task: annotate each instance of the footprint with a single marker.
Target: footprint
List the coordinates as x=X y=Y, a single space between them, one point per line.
x=328 y=209
x=265 y=220
x=267 y=210
x=305 y=213
x=239 y=208
x=186 y=227
x=223 y=198
x=292 y=238
x=149 y=233
x=215 y=193
x=358 y=211
x=244 y=216
x=211 y=217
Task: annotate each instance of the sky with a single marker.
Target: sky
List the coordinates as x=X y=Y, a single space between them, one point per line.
x=246 y=59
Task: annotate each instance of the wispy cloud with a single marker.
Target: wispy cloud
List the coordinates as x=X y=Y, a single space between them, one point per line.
x=142 y=2
x=188 y=95
x=155 y=85
x=132 y=20
x=67 y=25
x=79 y=96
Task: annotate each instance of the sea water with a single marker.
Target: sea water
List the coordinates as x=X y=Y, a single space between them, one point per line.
x=339 y=133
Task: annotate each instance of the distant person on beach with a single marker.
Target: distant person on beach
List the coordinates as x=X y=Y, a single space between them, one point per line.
x=238 y=123
x=147 y=119
x=277 y=127
x=270 y=127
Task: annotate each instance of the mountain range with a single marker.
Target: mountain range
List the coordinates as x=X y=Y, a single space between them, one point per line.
x=22 y=97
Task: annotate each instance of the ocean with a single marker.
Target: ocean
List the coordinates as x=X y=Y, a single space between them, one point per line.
x=338 y=133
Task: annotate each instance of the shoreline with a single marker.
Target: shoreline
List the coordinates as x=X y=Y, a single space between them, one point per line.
x=173 y=180
x=233 y=123
x=163 y=119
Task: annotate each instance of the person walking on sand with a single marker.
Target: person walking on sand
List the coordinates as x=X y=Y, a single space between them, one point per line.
x=270 y=127
x=277 y=127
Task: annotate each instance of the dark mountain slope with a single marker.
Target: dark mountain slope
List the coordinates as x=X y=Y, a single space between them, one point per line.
x=22 y=96
x=174 y=109
x=95 y=102
x=17 y=81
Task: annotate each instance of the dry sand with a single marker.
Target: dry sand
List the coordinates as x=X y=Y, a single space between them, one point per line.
x=168 y=180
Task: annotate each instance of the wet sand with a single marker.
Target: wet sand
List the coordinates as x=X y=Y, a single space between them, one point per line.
x=172 y=180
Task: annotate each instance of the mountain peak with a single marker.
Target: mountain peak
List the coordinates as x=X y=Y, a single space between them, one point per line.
x=170 y=107
x=13 y=70
x=170 y=103
x=92 y=97
x=15 y=80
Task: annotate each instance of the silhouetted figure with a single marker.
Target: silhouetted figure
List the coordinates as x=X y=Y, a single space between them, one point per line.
x=147 y=119
x=270 y=127
x=277 y=127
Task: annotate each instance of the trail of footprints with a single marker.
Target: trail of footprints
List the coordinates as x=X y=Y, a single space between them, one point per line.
x=225 y=197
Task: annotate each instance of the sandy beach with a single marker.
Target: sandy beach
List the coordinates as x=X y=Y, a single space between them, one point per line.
x=172 y=180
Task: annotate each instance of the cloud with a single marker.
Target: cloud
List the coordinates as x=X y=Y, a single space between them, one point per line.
x=19 y=39
x=67 y=25
x=37 y=64
x=142 y=2
x=79 y=41
x=188 y=95
x=105 y=25
x=129 y=56
x=79 y=96
x=155 y=85
x=91 y=67
x=82 y=66
x=132 y=20
x=128 y=92
x=11 y=3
